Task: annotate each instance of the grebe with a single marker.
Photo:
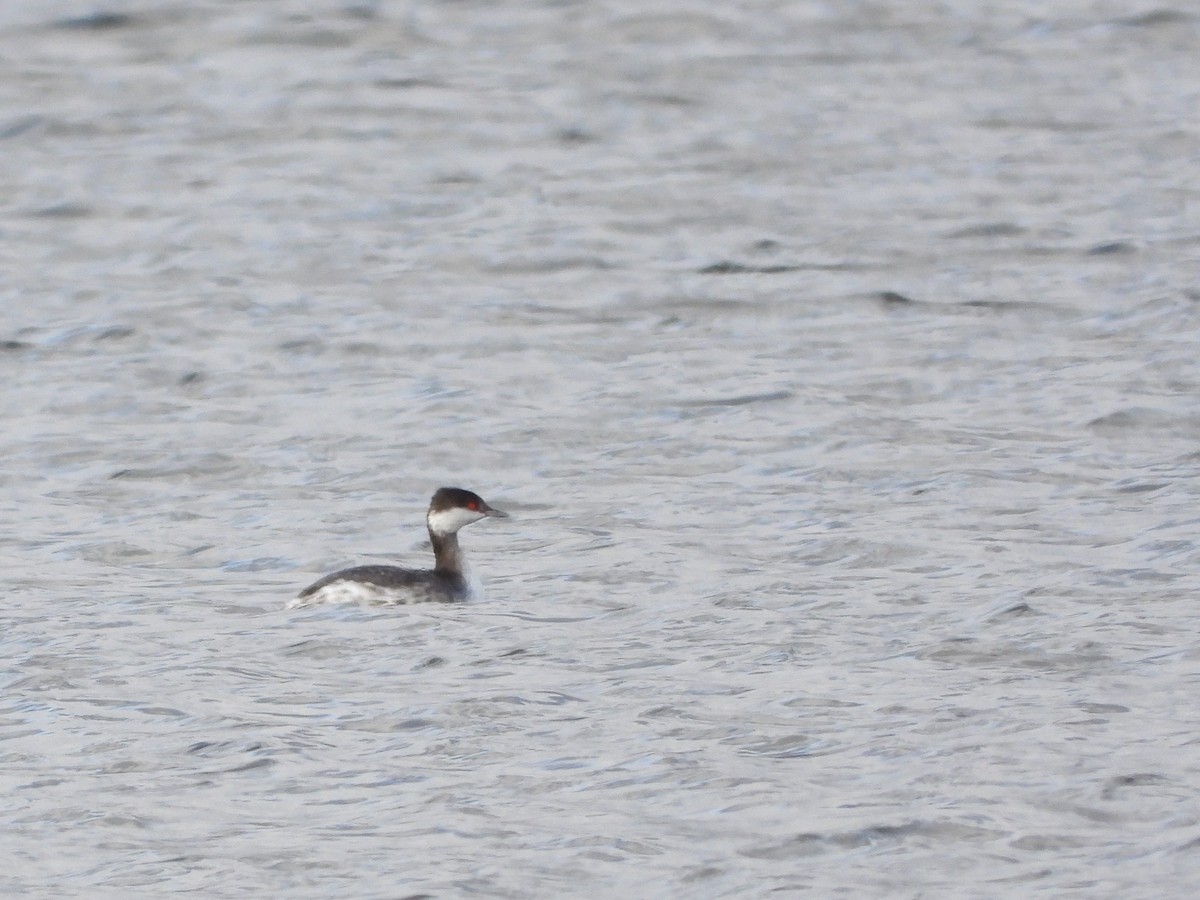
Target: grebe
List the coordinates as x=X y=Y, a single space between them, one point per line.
x=449 y=510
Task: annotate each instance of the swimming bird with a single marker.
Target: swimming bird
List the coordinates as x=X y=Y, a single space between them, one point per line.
x=450 y=510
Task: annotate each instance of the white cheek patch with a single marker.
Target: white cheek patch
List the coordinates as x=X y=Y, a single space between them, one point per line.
x=448 y=521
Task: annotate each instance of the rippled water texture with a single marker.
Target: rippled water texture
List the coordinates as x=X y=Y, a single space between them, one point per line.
x=837 y=360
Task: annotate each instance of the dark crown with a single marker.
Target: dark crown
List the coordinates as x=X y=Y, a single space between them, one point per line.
x=454 y=498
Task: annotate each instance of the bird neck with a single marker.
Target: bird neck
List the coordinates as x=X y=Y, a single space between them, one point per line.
x=446 y=554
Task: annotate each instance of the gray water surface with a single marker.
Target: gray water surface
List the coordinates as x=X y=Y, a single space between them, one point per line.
x=839 y=363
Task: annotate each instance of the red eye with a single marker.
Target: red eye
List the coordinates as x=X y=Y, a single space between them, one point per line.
x=471 y=504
